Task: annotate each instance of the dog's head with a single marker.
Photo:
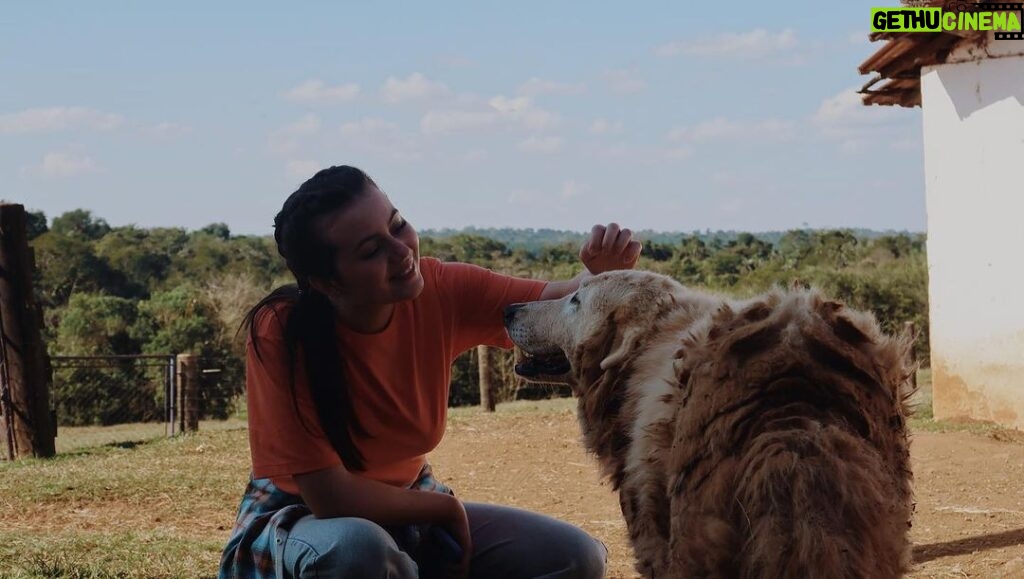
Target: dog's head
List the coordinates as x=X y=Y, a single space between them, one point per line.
x=573 y=339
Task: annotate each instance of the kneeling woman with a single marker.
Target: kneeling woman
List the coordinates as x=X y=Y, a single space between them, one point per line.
x=347 y=378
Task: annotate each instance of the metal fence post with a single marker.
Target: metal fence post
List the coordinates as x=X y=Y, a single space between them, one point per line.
x=170 y=395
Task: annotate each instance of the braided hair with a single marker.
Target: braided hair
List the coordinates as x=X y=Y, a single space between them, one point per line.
x=310 y=326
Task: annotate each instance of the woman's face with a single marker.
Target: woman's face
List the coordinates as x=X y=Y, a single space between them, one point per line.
x=376 y=252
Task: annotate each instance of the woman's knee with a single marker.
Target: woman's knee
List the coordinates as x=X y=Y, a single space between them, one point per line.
x=588 y=555
x=347 y=547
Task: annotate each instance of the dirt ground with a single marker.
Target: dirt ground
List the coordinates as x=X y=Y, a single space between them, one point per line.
x=969 y=486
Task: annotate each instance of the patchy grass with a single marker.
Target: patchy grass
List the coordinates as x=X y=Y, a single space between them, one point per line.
x=153 y=508
x=553 y=406
x=100 y=555
x=70 y=438
x=131 y=507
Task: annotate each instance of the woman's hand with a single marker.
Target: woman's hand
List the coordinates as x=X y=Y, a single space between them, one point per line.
x=457 y=524
x=610 y=248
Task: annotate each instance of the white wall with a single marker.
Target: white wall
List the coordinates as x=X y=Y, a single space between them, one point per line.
x=973 y=116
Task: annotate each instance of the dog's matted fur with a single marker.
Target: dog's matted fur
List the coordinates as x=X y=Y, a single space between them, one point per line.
x=756 y=438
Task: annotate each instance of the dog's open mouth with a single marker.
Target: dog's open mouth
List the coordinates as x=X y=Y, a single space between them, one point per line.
x=549 y=364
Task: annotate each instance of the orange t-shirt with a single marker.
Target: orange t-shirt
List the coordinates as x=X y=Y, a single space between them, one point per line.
x=398 y=378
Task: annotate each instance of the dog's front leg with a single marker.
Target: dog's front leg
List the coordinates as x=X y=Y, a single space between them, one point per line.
x=646 y=510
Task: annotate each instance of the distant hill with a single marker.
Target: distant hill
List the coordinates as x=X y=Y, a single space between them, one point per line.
x=532 y=239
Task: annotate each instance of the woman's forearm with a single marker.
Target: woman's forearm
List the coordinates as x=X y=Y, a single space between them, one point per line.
x=558 y=289
x=335 y=492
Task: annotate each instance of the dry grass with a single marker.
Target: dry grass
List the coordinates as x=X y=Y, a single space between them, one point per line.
x=132 y=505
x=71 y=438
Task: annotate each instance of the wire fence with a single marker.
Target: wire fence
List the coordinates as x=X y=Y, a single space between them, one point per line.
x=118 y=400
x=121 y=399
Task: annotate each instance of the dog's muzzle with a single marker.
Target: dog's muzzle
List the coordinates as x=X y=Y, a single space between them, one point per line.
x=510 y=312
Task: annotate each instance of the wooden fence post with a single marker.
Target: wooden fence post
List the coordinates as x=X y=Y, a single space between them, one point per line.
x=911 y=329
x=483 y=354
x=188 y=392
x=27 y=428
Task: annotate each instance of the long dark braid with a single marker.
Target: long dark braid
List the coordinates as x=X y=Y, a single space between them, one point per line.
x=311 y=320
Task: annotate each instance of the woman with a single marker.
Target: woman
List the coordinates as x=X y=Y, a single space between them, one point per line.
x=347 y=379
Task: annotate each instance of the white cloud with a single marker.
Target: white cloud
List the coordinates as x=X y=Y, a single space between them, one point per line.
x=302 y=169
x=368 y=126
x=502 y=112
x=40 y=120
x=605 y=127
x=416 y=86
x=538 y=86
x=614 y=151
x=756 y=43
x=65 y=165
x=859 y=37
x=285 y=140
x=536 y=119
x=721 y=128
x=380 y=137
x=316 y=91
x=572 y=189
x=844 y=118
x=309 y=124
x=541 y=144
x=168 y=130
x=504 y=104
x=846 y=110
x=678 y=133
x=679 y=153
x=456 y=121
x=624 y=82
x=280 y=144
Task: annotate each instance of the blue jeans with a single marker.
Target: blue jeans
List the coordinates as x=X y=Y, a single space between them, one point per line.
x=507 y=543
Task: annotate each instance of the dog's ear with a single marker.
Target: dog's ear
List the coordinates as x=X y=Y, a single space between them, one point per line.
x=638 y=318
x=621 y=347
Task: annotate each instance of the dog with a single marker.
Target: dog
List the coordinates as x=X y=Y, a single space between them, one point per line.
x=763 y=437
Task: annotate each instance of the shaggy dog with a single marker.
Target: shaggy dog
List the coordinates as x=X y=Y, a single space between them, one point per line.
x=756 y=438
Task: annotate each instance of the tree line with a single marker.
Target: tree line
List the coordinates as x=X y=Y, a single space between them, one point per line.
x=129 y=290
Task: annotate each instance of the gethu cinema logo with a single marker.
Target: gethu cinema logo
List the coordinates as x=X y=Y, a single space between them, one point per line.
x=956 y=16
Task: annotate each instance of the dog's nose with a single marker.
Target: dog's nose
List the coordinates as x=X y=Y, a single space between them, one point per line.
x=510 y=312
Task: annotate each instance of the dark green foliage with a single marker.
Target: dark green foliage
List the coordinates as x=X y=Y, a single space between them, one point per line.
x=181 y=321
x=218 y=230
x=35 y=224
x=99 y=325
x=66 y=265
x=80 y=224
x=131 y=290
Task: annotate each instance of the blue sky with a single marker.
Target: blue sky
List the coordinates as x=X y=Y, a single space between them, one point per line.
x=657 y=115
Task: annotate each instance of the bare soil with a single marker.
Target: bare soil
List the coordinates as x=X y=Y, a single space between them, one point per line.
x=969 y=519
x=164 y=508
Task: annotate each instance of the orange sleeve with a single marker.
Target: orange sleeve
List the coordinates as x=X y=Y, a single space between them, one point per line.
x=478 y=297
x=285 y=437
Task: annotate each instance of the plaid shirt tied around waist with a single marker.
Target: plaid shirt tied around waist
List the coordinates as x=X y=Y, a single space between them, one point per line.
x=267 y=513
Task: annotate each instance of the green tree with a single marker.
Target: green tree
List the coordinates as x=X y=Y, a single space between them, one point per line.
x=133 y=253
x=95 y=392
x=35 y=224
x=81 y=224
x=218 y=230
x=66 y=265
x=181 y=321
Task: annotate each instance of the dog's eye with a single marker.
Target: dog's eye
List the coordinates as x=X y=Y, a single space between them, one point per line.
x=575 y=299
